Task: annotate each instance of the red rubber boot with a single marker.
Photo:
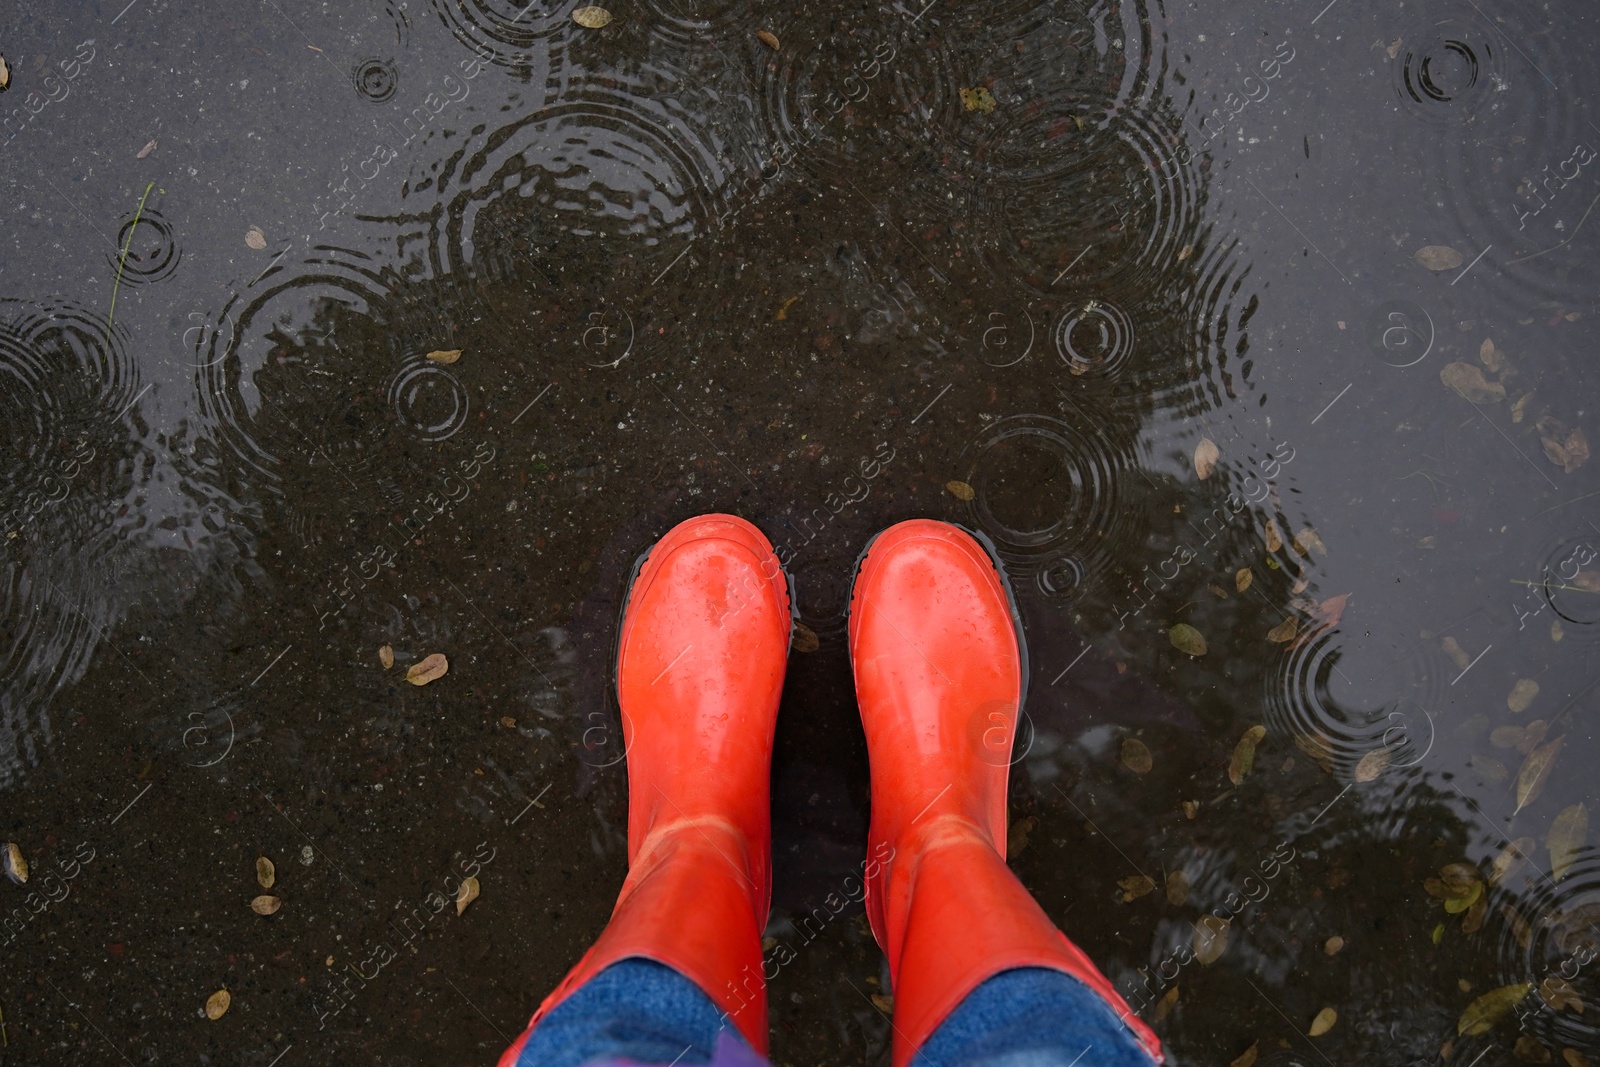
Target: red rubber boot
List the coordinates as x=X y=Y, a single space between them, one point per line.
x=705 y=641
x=938 y=671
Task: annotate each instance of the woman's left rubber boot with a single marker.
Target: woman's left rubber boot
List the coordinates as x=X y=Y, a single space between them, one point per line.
x=704 y=646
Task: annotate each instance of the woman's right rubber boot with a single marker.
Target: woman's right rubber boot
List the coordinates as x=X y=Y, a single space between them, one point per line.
x=938 y=666
x=705 y=642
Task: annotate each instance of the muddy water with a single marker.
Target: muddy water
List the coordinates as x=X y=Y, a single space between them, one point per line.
x=1044 y=250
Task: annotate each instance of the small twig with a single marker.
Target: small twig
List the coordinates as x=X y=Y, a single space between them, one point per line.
x=112 y=315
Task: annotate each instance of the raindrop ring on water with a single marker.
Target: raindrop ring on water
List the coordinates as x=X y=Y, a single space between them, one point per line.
x=1061 y=578
x=152 y=252
x=428 y=401
x=376 y=80
x=1096 y=338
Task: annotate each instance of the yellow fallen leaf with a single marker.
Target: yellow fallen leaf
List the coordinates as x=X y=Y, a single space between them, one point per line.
x=1372 y=765
x=1512 y=857
x=1165 y=1005
x=146 y=150
x=1522 y=695
x=1323 y=1022
x=435 y=666
x=1574 y=1058
x=1490 y=357
x=592 y=18
x=1334 y=945
x=1306 y=540
x=386 y=656
x=1536 y=771
x=466 y=894
x=1566 y=838
x=1244 y=754
x=217 y=1004
x=1187 y=639
x=1242 y=578
x=445 y=355
x=1457 y=654
x=1284 y=631
x=978 y=99
x=1274 y=539
x=266 y=873
x=1185 y=252
x=1177 y=888
x=883 y=1002
x=1135 y=886
x=255 y=238
x=768 y=38
x=1458 y=904
x=1136 y=755
x=1439 y=257
x=1206 y=454
x=1247 y=1058
x=1469 y=382
x=265 y=904
x=1567 y=449
x=1210 y=939
x=1519 y=410
x=1482 y=1014
x=960 y=490
x=16 y=864
x=1588 y=581
x=1191 y=808
x=805 y=638
x=5 y=75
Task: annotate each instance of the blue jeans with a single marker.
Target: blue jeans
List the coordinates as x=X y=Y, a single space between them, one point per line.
x=638 y=1012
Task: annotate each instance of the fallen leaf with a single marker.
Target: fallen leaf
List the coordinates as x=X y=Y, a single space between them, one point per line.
x=1177 y=888
x=1574 y=1058
x=960 y=490
x=1521 y=929
x=978 y=99
x=1528 y=1050
x=1191 y=808
x=1135 y=886
x=1522 y=695
x=1482 y=1014
x=1373 y=764
x=1510 y=859
x=445 y=355
x=1490 y=357
x=1394 y=47
x=1185 y=252
x=883 y=1003
x=1247 y=1058
x=1285 y=630
x=1210 y=939
x=1438 y=257
x=1306 y=540
x=1556 y=632
x=1437 y=935
x=508 y=722
x=1458 y=878
x=1165 y=1005
x=1558 y=993
x=266 y=873
x=16 y=864
x=1535 y=771
x=1333 y=946
x=1136 y=755
x=435 y=666
x=1588 y=581
x=805 y=639
x=592 y=18
x=1217 y=591
x=1457 y=654
x=1274 y=539
x=146 y=150
x=1567 y=449
x=1507 y=736
x=1566 y=838
x=1331 y=610
x=1470 y=383
x=1017 y=836
x=768 y=38
x=1532 y=735
x=265 y=904
x=217 y=1004
x=5 y=75
x=255 y=238
x=1206 y=454
x=466 y=894
x=1187 y=639
x=1519 y=410
x=1242 y=578
x=1458 y=904
x=1244 y=754
x=386 y=656
x=1323 y=1022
